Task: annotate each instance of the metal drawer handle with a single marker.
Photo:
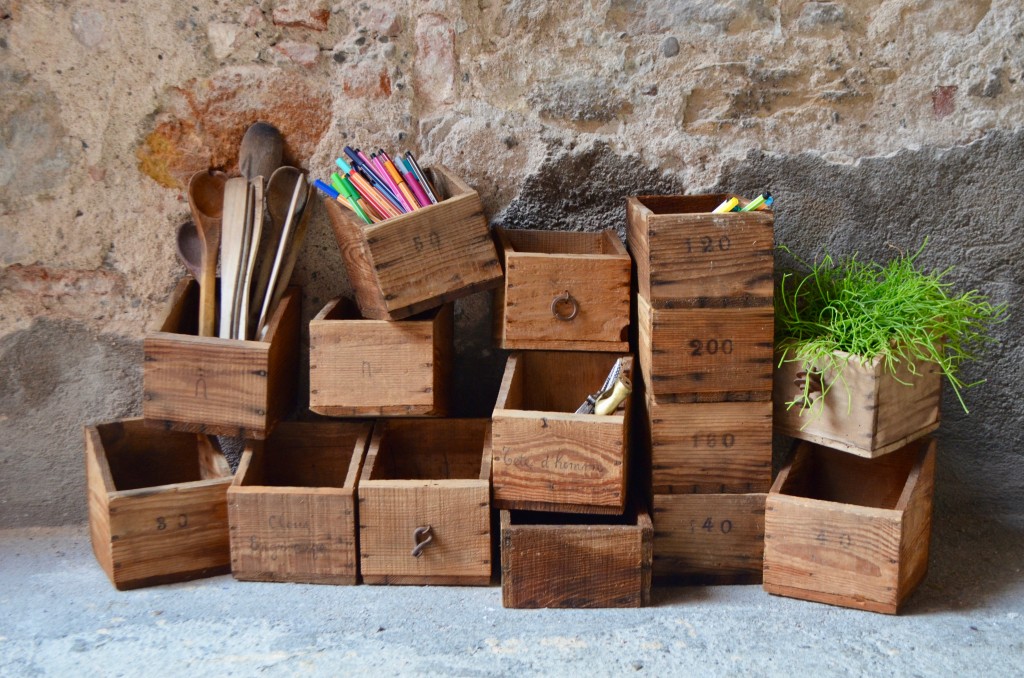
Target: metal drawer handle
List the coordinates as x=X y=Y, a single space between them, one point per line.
x=565 y=299
x=421 y=536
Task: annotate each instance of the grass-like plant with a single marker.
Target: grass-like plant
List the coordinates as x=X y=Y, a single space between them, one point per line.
x=894 y=311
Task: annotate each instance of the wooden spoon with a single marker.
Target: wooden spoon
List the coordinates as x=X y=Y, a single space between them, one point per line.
x=190 y=249
x=206 y=201
x=237 y=212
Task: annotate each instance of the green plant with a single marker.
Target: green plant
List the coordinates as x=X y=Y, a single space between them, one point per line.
x=896 y=311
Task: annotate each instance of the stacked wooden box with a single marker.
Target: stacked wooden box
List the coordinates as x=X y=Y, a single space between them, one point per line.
x=570 y=536
x=704 y=337
x=411 y=499
x=158 y=508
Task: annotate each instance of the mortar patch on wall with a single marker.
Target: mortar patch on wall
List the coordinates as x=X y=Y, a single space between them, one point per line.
x=201 y=123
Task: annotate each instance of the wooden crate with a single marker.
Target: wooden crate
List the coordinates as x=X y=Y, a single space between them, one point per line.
x=219 y=386
x=710 y=447
x=366 y=368
x=563 y=291
x=683 y=252
x=849 y=531
x=157 y=504
x=546 y=457
x=422 y=473
x=417 y=261
x=867 y=410
x=708 y=538
x=706 y=354
x=574 y=560
x=292 y=505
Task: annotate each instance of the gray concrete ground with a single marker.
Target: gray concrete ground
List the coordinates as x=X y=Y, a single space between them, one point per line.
x=62 y=617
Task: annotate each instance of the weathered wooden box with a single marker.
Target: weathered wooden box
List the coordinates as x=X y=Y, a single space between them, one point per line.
x=424 y=503
x=849 y=531
x=684 y=252
x=563 y=291
x=416 y=261
x=292 y=505
x=867 y=410
x=574 y=560
x=710 y=447
x=219 y=386
x=706 y=354
x=547 y=457
x=157 y=504
x=360 y=367
x=708 y=538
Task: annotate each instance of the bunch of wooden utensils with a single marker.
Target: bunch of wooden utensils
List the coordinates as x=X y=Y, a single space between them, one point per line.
x=256 y=255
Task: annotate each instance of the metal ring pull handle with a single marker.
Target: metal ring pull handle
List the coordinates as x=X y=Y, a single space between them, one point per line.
x=421 y=536
x=565 y=299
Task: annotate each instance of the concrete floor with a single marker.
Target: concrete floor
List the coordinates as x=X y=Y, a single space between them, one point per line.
x=60 y=616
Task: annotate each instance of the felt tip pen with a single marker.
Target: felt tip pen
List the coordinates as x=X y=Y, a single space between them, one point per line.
x=726 y=206
x=755 y=203
x=353 y=196
x=410 y=179
x=399 y=182
x=422 y=177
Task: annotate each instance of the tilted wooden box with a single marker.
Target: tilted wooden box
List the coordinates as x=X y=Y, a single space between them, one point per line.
x=684 y=252
x=867 y=410
x=157 y=504
x=563 y=291
x=706 y=354
x=220 y=386
x=574 y=560
x=292 y=505
x=424 y=503
x=708 y=538
x=710 y=447
x=849 y=531
x=416 y=261
x=547 y=457
x=360 y=367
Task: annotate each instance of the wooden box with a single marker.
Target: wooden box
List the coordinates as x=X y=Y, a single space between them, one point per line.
x=684 y=252
x=157 y=504
x=292 y=505
x=574 y=560
x=867 y=410
x=706 y=354
x=413 y=262
x=710 y=447
x=849 y=531
x=425 y=489
x=563 y=291
x=371 y=368
x=547 y=457
x=220 y=386
x=708 y=538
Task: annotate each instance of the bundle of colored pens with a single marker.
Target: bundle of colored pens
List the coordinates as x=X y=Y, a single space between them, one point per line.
x=763 y=201
x=378 y=188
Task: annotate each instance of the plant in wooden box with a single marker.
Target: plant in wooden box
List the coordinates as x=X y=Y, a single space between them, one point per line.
x=862 y=348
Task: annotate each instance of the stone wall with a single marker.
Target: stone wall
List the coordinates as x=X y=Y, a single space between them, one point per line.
x=876 y=123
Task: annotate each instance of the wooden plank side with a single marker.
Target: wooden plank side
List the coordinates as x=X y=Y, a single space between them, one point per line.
x=916 y=506
x=572 y=461
x=287 y=535
x=710 y=447
x=367 y=365
x=358 y=260
x=820 y=547
x=708 y=350
x=572 y=566
x=283 y=337
x=708 y=538
x=169 y=533
x=599 y=286
x=99 y=484
x=459 y=518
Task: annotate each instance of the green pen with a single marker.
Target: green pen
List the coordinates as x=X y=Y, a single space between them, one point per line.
x=755 y=203
x=346 y=187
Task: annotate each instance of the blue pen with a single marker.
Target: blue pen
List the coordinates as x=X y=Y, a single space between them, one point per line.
x=326 y=189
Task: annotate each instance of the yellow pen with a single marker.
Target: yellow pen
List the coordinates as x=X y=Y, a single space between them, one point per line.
x=726 y=206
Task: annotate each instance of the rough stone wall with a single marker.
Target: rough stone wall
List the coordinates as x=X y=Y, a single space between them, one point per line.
x=875 y=122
